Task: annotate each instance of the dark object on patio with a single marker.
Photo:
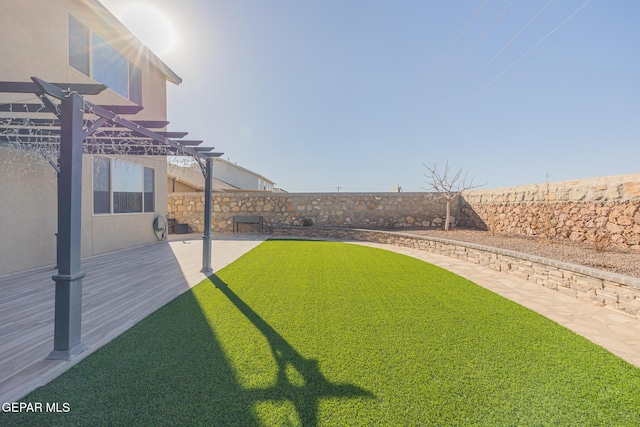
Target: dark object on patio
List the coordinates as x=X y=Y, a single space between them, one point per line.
x=238 y=219
x=180 y=228
x=172 y=224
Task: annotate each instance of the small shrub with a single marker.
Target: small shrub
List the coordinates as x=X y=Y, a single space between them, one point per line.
x=307 y=222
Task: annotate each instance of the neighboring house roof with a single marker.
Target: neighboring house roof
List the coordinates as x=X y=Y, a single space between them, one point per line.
x=219 y=160
x=113 y=22
x=192 y=176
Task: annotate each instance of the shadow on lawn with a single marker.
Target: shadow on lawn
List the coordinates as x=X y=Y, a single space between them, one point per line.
x=305 y=397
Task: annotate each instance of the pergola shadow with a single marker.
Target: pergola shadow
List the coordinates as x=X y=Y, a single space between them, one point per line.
x=305 y=397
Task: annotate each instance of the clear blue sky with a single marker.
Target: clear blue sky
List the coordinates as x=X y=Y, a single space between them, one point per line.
x=359 y=94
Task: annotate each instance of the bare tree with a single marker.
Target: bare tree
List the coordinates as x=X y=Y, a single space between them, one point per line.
x=449 y=186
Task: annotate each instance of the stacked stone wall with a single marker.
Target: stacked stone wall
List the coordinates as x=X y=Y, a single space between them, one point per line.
x=601 y=211
x=617 y=292
x=365 y=210
x=187 y=208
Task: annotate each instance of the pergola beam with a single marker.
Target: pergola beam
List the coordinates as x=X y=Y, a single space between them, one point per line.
x=152 y=124
x=22 y=108
x=104 y=133
x=39 y=122
x=29 y=87
x=38 y=108
x=173 y=135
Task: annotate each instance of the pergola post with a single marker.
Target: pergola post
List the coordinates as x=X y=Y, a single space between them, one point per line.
x=208 y=202
x=68 y=298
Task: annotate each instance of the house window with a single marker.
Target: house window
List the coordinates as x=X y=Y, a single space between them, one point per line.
x=108 y=66
x=135 y=84
x=78 y=46
x=101 y=186
x=122 y=187
x=149 y=190
x=127 y=187
x=96 y=58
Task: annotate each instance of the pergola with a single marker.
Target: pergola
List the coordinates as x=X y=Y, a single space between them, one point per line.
x=62 y=127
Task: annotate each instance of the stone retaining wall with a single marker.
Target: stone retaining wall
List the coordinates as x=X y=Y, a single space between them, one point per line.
x=599 y=210
x=614 y=291
x=368 y=210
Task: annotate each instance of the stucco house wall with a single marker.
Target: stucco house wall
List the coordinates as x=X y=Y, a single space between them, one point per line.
x=37 y=45
x=28 y=201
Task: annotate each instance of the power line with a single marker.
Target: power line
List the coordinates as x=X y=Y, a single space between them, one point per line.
x=525 y=54
x=448 y=76
x=499 y=52
x=464 y=30
x=483 y=35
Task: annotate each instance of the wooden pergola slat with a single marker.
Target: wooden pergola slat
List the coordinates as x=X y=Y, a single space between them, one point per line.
x=54 y=122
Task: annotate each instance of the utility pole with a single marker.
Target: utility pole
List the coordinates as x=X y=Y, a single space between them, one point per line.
x=338 y=188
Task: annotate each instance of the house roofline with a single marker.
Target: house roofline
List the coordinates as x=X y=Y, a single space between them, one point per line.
x=114 y=22
x=201 y=187
x=218 y=159
x=185 y=181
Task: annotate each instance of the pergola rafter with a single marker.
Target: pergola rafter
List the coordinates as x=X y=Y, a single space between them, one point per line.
x=62 y=128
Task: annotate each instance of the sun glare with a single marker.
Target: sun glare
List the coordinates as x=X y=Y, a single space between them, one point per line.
x=150 y=25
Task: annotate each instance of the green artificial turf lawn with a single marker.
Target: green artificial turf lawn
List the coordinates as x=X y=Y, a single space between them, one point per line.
x=322 y=333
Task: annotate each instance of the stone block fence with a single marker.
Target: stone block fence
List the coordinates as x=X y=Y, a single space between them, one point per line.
x=597 y=210
x=366 y=210
x=617 y=292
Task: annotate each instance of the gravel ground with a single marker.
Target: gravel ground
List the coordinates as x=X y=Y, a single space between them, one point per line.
x=612 y=259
